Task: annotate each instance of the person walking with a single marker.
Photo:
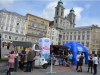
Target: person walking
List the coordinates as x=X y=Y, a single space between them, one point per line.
x=95 y=63
x=11 y=57
x=90 y=64
x=80 y=62
x=30 y=58
x=77 y=58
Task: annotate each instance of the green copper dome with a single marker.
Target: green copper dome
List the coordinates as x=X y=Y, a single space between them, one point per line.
x=72 y=11
x=60 y=3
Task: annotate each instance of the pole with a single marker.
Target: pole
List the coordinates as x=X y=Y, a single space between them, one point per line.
x=51 y=68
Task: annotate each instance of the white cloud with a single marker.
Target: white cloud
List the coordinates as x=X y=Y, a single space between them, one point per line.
x=87 y=6
x=6 y=2
x=49 y=11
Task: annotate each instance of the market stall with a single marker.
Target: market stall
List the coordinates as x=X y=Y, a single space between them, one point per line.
x=60 y=52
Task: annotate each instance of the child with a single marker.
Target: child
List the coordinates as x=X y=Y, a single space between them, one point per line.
x=11 y=57
x=90 y=64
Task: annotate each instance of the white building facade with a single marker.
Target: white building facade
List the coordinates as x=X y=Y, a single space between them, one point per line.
x=12 y=27
x=63 y=29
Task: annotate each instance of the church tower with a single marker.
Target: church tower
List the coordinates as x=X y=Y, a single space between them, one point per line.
x=71 y=17
x=59 y=15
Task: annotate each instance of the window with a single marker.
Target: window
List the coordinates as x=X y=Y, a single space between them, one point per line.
x=57 y=13
x=78 y=37
x=82 y=37
x=88 y=32
x=63 y=37
x=70 y=32
x=67 y=32
x=9 y=37
x=83 y=43
x=93 y=52
x=87 y=44
x=87 y=37
x=67 y=38
x=83 y=32
x=16 y=31
x=6 y=28
x=70 y=37
x=74 y=37
x=74 y=32
x=10 y=29
x=17 y=23
x=1 y=27
x=56 y=21
x=16 y=38
x=61 y=13
x=21 y=32
x=79 y=32
x=5 y=36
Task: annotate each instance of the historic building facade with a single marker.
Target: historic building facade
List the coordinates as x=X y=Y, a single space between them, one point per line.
x=63 y=30
x=37 y=27
x=12 y=27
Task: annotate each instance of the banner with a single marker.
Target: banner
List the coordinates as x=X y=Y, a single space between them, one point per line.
x=44 y=46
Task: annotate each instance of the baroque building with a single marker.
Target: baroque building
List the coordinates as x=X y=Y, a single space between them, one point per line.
x=36 y=27
x=12 y=27
x=63 y=30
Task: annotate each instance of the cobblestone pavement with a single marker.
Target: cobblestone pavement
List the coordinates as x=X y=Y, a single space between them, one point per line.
x=39 y=71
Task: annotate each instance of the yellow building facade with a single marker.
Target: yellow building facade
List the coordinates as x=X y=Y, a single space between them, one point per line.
x=95 y=40
x=36 y=27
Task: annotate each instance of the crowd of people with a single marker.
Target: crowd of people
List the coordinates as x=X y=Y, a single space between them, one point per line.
x=18 y=60
x=93 y=61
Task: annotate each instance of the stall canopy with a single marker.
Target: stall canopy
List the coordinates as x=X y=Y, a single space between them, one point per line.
x=24 y=44
x=75 y=47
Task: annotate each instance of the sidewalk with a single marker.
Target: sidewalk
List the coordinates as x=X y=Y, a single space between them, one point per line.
x=60 y=70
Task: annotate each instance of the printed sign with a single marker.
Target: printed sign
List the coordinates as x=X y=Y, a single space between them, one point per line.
x=44 y=46
x=80 y=49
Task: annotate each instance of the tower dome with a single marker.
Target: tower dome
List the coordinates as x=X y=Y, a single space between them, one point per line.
x=72 y=11
x=60 y=3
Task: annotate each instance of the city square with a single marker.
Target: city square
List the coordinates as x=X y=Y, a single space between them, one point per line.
x=46 y=37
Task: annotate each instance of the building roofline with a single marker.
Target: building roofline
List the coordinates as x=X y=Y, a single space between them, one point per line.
x=14 y=13
x=37 y=17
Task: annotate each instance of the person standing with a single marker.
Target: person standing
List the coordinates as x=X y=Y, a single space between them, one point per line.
x=70 y=56
x=30 y=58
x=80 y=62
x=95 y=63
x=16 y=61
x=11 y=57
x=77 y=58
x=90 y=64
x=22 y=58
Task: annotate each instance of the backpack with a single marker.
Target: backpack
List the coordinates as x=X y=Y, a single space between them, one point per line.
x=81 y=58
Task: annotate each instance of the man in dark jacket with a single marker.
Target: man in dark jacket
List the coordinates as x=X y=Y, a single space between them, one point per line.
x=30 y=58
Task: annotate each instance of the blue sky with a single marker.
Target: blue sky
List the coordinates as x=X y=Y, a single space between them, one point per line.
x=87 y=11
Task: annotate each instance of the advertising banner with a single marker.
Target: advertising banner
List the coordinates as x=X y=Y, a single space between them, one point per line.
x=44 y=46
